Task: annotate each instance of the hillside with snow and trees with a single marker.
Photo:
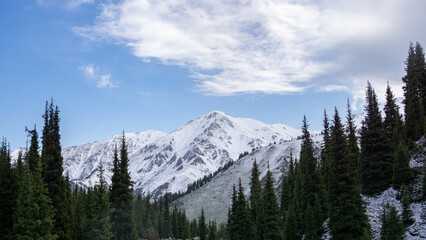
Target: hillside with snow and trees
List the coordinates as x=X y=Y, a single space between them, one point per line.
x=221 y=177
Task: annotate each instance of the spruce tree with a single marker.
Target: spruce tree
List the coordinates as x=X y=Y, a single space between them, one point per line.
x=347 y=217
x=256 y=201
x=272 y=221
x=325 y=158
x=291 y=228
x=33 y=215
x=213 y=231
x=245 y=227
x=32 y=156
x=353 y=149
x=286 y=187
x=167 y=227
x=100 y=226
x=123 y=225
x=393 y=120
x=376 y=157
x=402 y=174
x=202 y=227
x=310 y=228
x=8 y=193
x=174 y=224
x=19 y=169
x=407 y=214
x=414 y=88
x=392 y=226
x=308 y=166
x=52 y=161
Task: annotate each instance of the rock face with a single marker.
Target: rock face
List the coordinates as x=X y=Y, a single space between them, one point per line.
x=161 y=163
x=216 y=195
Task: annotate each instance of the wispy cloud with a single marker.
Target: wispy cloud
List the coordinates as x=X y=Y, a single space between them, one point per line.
x=333 y=88
x=67 y=4
x=88 y=69
x=105 y=82
x=272 y=47
x=102 y=80
x=73 y=4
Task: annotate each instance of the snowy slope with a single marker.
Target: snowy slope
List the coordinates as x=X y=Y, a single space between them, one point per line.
x=161 y=163
x=215 y=196
x=81 y=162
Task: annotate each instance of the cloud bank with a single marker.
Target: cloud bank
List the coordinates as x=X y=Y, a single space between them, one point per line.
x=268 y=47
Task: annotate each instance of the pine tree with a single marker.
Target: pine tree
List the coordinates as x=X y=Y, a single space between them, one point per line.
x=123 y=225
x=347 y=217
x=100 y=226
x=310 y=227
x=256 y=201
x=272 y=222
x=213 y=231
x=286 y=187
x=376 y=157
x=244 y=224
x=393 y=120
x=52 y=161
x=167 y=227
x=8 y=193
x=414 y=81
x=325 y=160
x=33 y=215
x=19 y=169
x=392 y=226
x=174 y=224
x=202 y=227
x=32 y=156
x=291 y=228
x=407 y=214
x=79 y=224
x=353 y=149
x=308 y=166
x=402 y=174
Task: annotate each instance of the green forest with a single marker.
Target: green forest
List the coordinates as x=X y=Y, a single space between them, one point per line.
x=318 y=193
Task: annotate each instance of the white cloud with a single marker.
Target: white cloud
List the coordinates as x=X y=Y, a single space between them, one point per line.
x=333 y=88
x=272 y=47
x=102 y=80
x=105 y=82
x=88 y=69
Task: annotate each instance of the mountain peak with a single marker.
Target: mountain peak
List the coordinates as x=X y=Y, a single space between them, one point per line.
x=161 y=163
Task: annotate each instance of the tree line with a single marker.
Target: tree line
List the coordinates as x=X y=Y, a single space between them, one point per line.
x=324 y=192
x=38 y=202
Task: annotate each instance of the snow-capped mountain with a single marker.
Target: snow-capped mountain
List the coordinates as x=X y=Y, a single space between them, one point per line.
x=161 y=163
x=217 y=193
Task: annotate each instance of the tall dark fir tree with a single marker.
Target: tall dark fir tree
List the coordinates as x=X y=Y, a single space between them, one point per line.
x=256 y=203
x=311 y=181
x=51 y=159
x=123 y=224
x=376 y=157
x=347 y=217
x=8 y=192
x=414 y=92
x=272 y=221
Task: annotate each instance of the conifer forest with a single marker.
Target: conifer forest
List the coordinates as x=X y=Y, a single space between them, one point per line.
x=321 y=195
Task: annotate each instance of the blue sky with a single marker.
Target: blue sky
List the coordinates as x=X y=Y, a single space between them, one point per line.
x=137 y=65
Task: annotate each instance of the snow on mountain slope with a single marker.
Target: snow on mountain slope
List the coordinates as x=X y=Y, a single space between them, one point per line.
x=81 y=162
x=161 y=163
x=215 y=196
